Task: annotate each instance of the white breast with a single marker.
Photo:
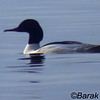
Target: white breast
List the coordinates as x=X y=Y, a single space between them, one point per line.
x=31 y=48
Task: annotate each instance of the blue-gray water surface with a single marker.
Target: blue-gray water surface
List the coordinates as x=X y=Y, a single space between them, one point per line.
x=55 y=76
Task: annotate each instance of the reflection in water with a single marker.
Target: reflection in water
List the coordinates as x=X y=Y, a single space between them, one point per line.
x=25 y=76
x=35 y=59
x=34 y=65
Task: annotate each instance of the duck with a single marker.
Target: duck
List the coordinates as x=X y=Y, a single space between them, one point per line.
x=35 y=31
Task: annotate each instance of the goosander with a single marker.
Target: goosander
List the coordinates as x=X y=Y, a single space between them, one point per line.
x=33 y=28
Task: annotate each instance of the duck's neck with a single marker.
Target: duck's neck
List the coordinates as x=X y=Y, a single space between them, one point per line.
x=31 y=47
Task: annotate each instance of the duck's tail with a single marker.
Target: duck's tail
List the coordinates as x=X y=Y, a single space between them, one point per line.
x=95 y=49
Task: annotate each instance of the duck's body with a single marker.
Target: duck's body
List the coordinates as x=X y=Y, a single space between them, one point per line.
x=63 y=47
x=36 y=35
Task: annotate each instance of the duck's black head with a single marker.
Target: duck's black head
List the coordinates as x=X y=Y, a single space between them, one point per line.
x=32 y=27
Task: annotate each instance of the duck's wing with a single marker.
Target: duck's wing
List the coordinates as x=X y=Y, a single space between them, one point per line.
x=64 y=47
x=63 y=42
x=89 y=48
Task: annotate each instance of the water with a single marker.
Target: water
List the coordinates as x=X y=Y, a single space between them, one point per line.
x=55 y=76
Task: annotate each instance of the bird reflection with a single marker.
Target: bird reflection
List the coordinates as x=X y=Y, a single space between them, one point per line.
x=35 y=59
x=34 y=64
